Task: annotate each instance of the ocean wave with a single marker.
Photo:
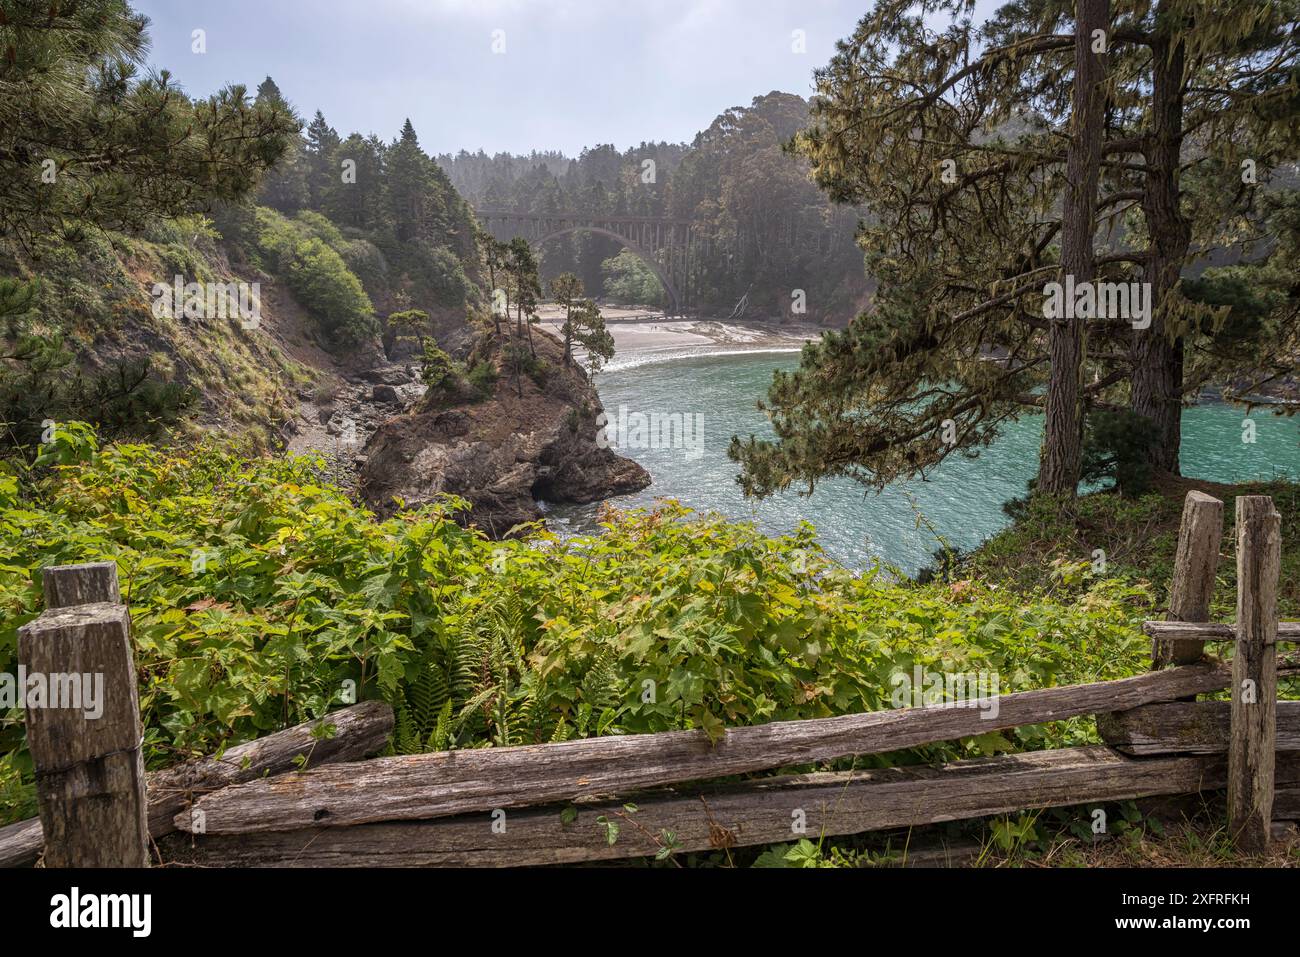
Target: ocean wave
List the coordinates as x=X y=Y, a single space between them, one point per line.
x=634 y=360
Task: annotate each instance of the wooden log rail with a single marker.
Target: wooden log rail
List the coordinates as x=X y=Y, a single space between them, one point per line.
x=555 y=803
x=1187 y=727
x=720 y=817
x=358 y=732
x=1202 y=632
x=412 y=787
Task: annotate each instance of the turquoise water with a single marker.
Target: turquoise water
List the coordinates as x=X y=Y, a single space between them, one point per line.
x=962 y=499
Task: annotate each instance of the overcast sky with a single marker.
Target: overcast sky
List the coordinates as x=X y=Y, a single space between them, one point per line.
x=574 y=73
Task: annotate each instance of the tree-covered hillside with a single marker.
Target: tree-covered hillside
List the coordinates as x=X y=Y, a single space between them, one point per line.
x=325 y=236
x=762 y=227
x=398 y=223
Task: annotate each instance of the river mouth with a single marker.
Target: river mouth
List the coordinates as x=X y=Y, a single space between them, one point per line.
x=702 y=400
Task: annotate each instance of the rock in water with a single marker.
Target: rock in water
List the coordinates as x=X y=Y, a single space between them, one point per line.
x=501 y=452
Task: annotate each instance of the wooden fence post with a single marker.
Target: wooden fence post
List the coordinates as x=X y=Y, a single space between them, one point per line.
x=84 y=730
x=1252 y=741
x=69 y=585
x=1195 y=565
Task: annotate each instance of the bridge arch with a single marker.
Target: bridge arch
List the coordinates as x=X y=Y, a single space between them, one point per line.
x=674 y=300
x=646 y=236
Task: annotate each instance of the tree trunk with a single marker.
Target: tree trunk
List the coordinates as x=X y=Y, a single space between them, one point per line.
x=1059 y=471
x=492 y=281
x=1157 y=358
x=568 y=335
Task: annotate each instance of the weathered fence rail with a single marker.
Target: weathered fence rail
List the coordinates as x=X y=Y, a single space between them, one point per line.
x=556 y=803
x=357 y=732
x=706 y=818
x=1187 y=727
x=412 y=787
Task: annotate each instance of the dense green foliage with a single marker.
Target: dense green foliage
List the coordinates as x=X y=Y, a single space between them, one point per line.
x=409 y=235
x=1139 y=537
x=629 y=281
x=88 y=146
x=258 y=592
x=301 y=251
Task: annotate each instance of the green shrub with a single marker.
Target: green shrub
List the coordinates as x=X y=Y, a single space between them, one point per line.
x=323 y=284
x=258 y=593
x=319 y=227
x=316 y=274
x=437 y=369
x=436 y=274
x=368 y=263
x=483 y=377
x=539 y=370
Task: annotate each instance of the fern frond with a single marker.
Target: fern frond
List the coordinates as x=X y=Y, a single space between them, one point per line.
x=442 y=731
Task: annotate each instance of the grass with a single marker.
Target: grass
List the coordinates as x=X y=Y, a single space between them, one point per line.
x=1139 y=538
x=98 y=296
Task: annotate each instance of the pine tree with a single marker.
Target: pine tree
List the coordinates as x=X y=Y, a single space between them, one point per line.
x=321 y=143
x=86 y=141
x=929 y=130
x=285 y=186
x=521 y=265
x=493 y=253
x=408 y=186
x=356 y=195
x=590 y=332
x=567 y=289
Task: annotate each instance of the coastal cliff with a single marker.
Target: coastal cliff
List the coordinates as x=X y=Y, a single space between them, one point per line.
x=503 y=447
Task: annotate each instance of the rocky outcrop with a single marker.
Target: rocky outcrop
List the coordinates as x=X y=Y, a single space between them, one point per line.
x=525 y=442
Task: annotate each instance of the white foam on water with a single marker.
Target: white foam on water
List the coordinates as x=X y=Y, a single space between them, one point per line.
x=634 y=360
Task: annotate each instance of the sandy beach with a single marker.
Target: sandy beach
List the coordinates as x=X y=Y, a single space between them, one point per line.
x=642 y=336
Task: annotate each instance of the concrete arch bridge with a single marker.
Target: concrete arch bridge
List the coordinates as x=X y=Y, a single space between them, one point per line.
x=663 y=244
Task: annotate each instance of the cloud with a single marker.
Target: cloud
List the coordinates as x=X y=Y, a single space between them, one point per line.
x=575 y=72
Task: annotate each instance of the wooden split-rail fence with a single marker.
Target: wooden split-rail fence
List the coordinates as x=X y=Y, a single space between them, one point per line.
x=301 y=798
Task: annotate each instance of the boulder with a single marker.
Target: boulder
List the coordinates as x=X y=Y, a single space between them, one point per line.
x=389 y=375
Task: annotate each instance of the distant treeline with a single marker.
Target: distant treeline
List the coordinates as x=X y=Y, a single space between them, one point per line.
x=762 y=226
